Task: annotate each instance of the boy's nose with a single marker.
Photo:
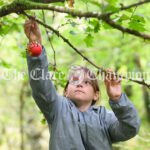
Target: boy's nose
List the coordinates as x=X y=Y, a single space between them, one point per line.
x=80 y=85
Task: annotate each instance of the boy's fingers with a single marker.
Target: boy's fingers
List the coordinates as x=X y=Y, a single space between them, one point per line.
x=27 y=26
x=33 y=22
x=27 y=29
x=36 y=25
x=119 y=80
x=110 y=74
x=112 y=78
x=32 y=25
x=107 y=82
x=28 y=22
x=108 y=69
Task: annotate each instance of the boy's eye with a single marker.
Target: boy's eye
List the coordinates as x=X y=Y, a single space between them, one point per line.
x=87 y=82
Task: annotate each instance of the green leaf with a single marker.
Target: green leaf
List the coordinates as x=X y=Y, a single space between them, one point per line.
x=89 y=40
x=63 y=83
x=43 y=121
x=93 y=22
x=23 y=54
x=138 y=18
x=110 y=8
x=124 y=17
x=120 y=19
x=94 y=26
x=1 y=3
x=89 y=29
x=63 y=75
x=96 y=3
x=50 y=68
x=137 y=23
x=58 y=4
x=112 y=2
x=5 y=64
x=107 y=26
x=73 y=24
x=136 y=26
x=70 y=16
x=130 y=10
x=97 y=28
x=57 y=74
x=73 y=33
x=40 y=112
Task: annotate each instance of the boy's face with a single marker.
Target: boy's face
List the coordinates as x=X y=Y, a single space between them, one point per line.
x=82 y=91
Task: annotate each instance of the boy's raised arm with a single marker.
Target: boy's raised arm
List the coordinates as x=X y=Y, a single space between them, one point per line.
x=124 y=123
x=43 y=90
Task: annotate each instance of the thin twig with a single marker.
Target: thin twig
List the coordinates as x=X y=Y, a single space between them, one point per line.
x=131 y=6
x=133 y=12
x=50 y=42
x=65 y=40
x=127 y=30
x=135 y=4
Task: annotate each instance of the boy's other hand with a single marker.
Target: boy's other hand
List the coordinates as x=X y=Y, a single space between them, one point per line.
x=32 y=31
x=113 y=85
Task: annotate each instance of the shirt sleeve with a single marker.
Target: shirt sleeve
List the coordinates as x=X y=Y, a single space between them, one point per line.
x=43 y=91
x=124 y=122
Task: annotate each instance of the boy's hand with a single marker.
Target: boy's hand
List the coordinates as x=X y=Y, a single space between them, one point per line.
x=32 y=31
x=113 y=86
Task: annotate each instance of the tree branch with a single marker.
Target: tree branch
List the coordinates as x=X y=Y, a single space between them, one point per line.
x=127 y=30
x=135 y=4
x=27 y=5
x=69 y=43
x=47 y=1
x=64 y=39
x=19 y=6
x=130 y=6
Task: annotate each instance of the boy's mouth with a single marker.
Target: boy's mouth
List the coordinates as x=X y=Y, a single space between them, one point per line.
x=79 y=91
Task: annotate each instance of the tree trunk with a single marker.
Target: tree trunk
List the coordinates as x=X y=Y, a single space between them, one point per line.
x=146 y=94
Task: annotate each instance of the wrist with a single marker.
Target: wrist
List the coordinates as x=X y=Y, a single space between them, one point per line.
x=38 y=41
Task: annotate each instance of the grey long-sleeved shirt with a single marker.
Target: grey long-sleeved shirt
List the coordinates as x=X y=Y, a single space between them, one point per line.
x=70 y=129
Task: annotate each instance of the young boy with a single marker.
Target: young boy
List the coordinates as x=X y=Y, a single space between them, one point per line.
x=74 y=122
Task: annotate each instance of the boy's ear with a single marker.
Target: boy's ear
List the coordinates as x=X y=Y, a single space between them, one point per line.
x=96 y=96
x=66 y=93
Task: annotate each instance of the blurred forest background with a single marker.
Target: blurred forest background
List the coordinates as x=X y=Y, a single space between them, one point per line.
x=22 y=126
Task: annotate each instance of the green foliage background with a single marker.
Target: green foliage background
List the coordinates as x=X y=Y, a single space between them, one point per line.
x=105 y=46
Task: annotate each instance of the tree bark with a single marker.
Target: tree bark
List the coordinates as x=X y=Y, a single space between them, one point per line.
x=146 y=95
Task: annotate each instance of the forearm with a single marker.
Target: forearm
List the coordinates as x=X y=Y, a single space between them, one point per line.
x=43 y=90
x=128 y=123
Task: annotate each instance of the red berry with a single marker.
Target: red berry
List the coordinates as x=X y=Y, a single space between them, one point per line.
x=35 y=49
